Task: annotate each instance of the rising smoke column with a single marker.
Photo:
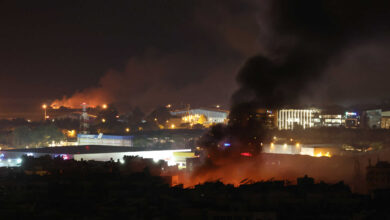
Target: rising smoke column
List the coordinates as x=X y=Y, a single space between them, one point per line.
x=300 y=39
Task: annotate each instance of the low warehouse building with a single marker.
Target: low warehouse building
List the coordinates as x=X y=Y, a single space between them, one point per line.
x=105 y=140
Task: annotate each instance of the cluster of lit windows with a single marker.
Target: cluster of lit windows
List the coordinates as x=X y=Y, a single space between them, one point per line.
x=191 y=118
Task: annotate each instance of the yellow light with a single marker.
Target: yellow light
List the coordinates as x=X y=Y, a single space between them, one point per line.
x=274 y=137
x=103 y=120
x=327 y=154
x=172 y=126
x=127 y=130
x=218 y=106
x=297 y=144
x=44 y=106
x=155 y=119
x=168 y=106
x=285 y=146
x=104 y=106
x=71 y=133
x=291 y=139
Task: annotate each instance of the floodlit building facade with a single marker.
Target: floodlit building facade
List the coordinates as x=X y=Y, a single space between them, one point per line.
x=289 y=119
x=192 y=116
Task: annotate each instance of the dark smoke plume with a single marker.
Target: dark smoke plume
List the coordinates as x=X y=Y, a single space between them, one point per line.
x=301 y=38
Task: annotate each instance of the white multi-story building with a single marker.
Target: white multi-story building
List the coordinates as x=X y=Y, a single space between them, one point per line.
x=290 y=118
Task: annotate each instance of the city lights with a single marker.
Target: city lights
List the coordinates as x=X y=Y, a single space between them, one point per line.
x=44 y=107
x=195 y=110
x=246 y=154
x=320 y=154
x=71 y=133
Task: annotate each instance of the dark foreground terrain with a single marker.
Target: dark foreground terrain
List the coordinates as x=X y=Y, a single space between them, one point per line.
x=53 y=188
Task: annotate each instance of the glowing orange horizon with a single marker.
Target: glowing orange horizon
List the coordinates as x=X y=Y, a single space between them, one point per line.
x=57 y=106
x=77 y=103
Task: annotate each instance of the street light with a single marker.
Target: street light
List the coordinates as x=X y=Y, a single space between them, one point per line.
x=104 y=106
x=44 y=106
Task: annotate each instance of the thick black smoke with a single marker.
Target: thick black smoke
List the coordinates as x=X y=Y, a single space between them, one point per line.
x=300 y=39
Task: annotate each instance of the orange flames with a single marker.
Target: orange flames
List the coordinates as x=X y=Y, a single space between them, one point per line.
x=93 y=98
x=268 y=166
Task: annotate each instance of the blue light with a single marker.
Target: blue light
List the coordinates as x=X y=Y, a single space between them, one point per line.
x=226 y=144
x=350 y=113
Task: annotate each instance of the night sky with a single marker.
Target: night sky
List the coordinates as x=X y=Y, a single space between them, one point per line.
x=148 y=53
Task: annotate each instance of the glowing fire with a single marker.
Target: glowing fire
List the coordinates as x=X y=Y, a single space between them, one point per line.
x=320 y=154
x=76 y=101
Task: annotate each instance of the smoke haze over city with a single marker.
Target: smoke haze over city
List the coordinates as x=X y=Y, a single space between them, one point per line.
x=156 y=53
x=195 y=109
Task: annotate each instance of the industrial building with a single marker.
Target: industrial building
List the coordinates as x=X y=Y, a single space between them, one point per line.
x=192 y=116
x=373 y=118
x=314 y=150
x=268 y=116
x=385 y=119
x=99 y=153
x=329 y=120
x=289 y=119
x=377 y=118
x=105 y=140
x=352 y=119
